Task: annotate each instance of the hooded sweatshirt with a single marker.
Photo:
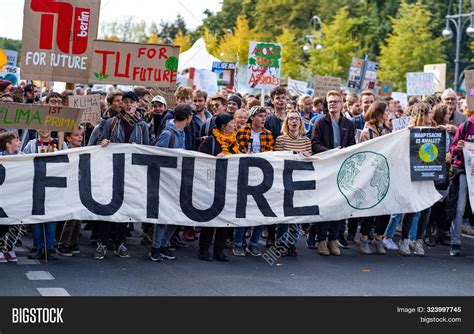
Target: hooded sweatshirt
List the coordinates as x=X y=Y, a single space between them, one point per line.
x=165 y=137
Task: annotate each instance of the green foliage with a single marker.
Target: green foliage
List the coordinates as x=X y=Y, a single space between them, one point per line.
x=10 y=44
x=410 y=46
x=291 y=65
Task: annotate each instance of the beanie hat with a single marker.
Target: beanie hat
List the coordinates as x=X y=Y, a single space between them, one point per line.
x=236 y=99
x=223 y=119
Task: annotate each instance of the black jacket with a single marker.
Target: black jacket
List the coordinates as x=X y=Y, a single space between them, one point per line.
x=210 y=146
x=322 y=138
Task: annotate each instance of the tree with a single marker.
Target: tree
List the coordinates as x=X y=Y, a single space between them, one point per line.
x=335 y=57
x=127 y=30
x=183 y=41
x=291 y=54
x=410 y=46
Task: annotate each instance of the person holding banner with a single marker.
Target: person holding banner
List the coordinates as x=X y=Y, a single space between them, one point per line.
x=332 y=131
x=375 y=119
x=114 y=100
x=220 y=143
x=292 y=139
x=158 y=110
x=5 y=86
x=254 y=138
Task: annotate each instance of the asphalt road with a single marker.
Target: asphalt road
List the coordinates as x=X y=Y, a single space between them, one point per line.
x=352 y=274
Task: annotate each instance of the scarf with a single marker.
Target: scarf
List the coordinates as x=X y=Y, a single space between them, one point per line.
x=228 y=142
x=130 y=119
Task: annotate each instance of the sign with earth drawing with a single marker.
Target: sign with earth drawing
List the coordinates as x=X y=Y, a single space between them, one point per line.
x=264 y=65
x=364 y=179
x=427 y=154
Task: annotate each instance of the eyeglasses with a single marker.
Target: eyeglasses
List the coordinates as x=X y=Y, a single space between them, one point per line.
x=55 y=102
x=450 y=99
x=293 y=119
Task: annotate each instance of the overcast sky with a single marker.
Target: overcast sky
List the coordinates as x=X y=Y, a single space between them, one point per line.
x=11 y=15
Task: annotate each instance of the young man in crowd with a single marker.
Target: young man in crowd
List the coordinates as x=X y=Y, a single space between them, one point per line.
x=158 y=109
x=234 y=103
x=218 y=105
x=305 y=107
x=173 y=136
x=114 y=100
x=331 y=131
x=367 y=97
x=354 y=111
x=200 y=113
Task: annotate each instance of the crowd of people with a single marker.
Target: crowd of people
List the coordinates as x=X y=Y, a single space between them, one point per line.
x=234 y=123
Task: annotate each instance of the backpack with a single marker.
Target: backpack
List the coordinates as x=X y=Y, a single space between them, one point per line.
x=171 y=142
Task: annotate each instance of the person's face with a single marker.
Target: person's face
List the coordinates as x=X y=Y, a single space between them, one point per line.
x=7 y=89
x=355 y=108
x=386 y=115
x=232 y=107
x=129 y=105
x=290 y=107
x=240 y=119
x=117 y=103
x=229 y=128
x=294 y=122
x=367 y=101
x=308 y=105
x=55 y=101
x=224 y=93
x=14 y=146
x=258 y=120
x=217 y=107
x=451 y=101
x=199 y=103
x=334 y=104
x=44 y=134
x=186 y=100
x=318 y=108
x=392 y=106
x=76 y=137
x=279 y=101
x=158 y=108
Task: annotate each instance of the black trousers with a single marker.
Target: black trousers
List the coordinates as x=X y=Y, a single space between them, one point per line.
x=352 y=225
x=328 y=230
x=207 y=233
x=380 y=222
x=105 y=228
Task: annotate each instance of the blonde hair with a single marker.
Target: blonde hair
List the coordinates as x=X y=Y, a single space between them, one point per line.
x=284 y=128
x=420 y=112
x=333 y=93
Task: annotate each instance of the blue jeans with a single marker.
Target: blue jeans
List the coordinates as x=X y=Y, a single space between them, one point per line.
x=239 y=236
x=162 y=235
x=38 y=235
x=395 y=220
x=289 y=234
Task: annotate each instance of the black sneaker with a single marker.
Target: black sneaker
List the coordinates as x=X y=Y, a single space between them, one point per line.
x=122 y=251
x=100 y=251
x=455 y=250
x=311 y=243
x=239 y=251
x=36 y=254
x=52 y=254
x=253 y=250
x=166 y=253
x=75 y=249
x=64 y=250
x=342 y=242
x=154 y=255
x=177 y=242
x=204 y=255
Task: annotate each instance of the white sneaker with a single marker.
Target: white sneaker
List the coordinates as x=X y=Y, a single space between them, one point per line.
x=405 y=247
x=467 y=229
x=419 y=248
x=390 y=244
x=412 y=245
x=3 y=259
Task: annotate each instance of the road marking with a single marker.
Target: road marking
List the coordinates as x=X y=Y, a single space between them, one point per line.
x=25 y=260
x=39 y=276
x=53 y=292
x=468 y=236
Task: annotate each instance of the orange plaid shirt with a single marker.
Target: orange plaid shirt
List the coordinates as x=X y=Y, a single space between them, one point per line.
x=243 y=138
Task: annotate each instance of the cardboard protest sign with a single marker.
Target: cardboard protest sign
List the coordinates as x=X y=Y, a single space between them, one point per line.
x=57 y=39
x=420 y=83
x=124 y=182
x=264 y=65
x=167 y=93
x=134 y=64
x=427 y=154
x=370 y=76
x=439 y=71
x=206 y=80
x=37 y=116
x=91 y=106
x=12 y=57
x=469 y=78
x=386 y=89
x=323 y=84
x=355 y=73
x=10 y=73
x=225 y=73
x=400 y=123
x=297 y=87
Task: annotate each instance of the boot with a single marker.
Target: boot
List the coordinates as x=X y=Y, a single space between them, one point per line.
x=323 y=248
x=334 y=248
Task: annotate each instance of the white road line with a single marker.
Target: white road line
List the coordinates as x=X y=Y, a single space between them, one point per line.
x=39 y=276
x=468 y=236
x=21 y=249
x=53 y=292
x=26 y=261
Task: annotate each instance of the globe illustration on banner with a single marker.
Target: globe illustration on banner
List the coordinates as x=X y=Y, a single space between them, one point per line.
x=428 y=152
x=364 y=179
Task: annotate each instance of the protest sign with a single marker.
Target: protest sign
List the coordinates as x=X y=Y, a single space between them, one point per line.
x=205 y=80
x=469 y=79
x=355 y=73
x=297 y=87
x=91 y=106
x=386 y=89
x=225 y=72
x=171 y=186
x=12 y=57
x=37 y=116
x=264 y=65
x=402 y=97
x=420 y=83
x=10 y=73
x=468 y=152
x=323 y=84
x=370 y=76
x=134 y=64
x=167 y=93
x=427 y=154
x=400 y=123
x=57 y=39
x=439 y=71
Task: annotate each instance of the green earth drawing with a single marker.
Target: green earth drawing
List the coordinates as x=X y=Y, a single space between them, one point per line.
x=364 y=179
x=428 y=152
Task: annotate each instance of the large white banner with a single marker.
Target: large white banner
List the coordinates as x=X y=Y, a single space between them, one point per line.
x=468 y=152
x=134 y=183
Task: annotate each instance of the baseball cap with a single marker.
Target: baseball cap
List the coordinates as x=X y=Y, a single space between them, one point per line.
x=159 y=99
x=130 y=95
